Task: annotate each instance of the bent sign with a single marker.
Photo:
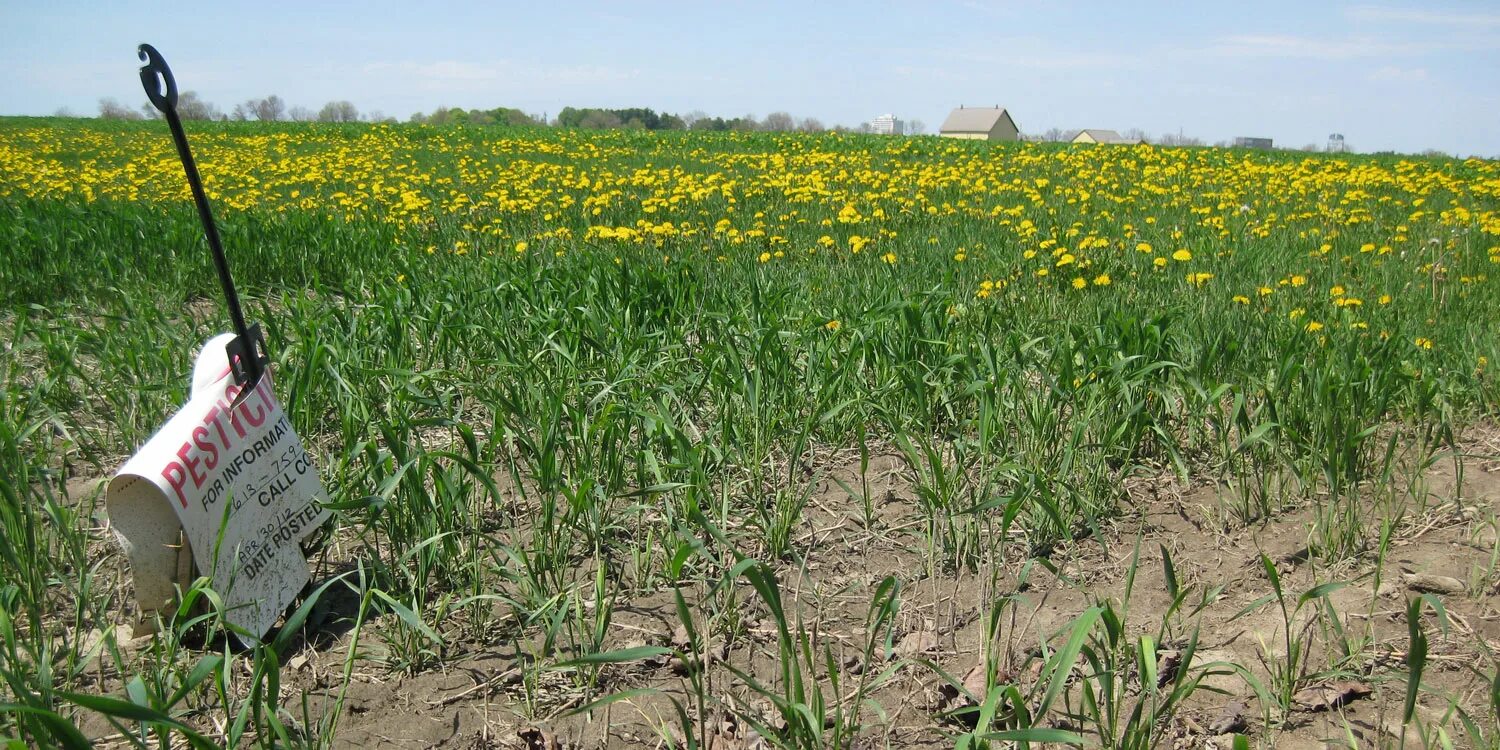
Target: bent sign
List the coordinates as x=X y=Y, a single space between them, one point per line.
x=231 y=475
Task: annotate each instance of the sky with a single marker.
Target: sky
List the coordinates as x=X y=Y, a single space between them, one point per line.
x=1405 y=76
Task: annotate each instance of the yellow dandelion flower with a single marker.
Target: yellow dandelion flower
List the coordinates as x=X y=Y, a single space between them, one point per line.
x=1080 y=283
x=1159 y=262
x=833 y=325
x=1313 y=326
x=1102 y=280
x=889 y=258
x=1423 y=343
x=765 y=257
x=1336 y=291
x=1241 y=299
x=1385 y=299
x=1299 y=280
x=1182 y=255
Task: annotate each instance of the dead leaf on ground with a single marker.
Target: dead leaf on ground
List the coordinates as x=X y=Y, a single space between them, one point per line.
x=1330 y=695
x=1231 y=718
x=917 y=643
x=730 y=734
x=855 y=665
x=1167 y=665
x=1431 y=584
x=976 y=681
x=951 y=698
x=680 y=639
x=536 y=738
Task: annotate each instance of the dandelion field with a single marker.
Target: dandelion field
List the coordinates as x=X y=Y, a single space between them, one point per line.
x=754 y=439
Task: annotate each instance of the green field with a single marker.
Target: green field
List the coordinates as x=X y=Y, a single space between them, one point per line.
x=553 y=378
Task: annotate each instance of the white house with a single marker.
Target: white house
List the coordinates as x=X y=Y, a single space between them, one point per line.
x=984 y=124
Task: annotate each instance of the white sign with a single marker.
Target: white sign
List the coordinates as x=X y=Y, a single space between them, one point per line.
x=237 y=481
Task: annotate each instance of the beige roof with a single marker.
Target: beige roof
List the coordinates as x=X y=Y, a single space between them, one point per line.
x=972 y=120
x=1101 y=135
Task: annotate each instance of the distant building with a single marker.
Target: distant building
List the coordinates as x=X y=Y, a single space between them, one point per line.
x=980 y=124
x=1243 y=142
x=887 y=125
x=1099 y=135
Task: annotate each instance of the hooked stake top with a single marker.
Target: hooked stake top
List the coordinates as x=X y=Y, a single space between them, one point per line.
x=156 y=77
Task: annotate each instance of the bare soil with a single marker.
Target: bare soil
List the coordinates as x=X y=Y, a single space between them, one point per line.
x=480 y=696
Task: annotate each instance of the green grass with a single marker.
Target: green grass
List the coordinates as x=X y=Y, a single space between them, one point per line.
x=515 y=441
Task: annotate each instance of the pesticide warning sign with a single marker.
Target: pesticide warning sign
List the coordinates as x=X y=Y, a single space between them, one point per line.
x=231 y=475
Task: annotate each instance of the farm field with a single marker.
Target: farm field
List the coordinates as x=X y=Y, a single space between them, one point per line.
x=772 y=440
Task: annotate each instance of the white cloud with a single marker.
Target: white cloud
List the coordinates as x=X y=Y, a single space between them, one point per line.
x=1421 y=15
x=466 y=76
x=1031 y=55
x=1292 y=46
x=1394 y=74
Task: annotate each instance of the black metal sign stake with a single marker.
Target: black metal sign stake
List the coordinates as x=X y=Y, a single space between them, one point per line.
x=247 y=352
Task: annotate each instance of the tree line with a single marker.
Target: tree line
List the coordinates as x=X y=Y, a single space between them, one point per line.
x=1059 y=135
x=190 y=106
x=273 y=108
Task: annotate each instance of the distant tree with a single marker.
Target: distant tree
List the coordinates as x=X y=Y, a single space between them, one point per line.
x=1053 y=134
x=779 y=122
x=1312 y=148
x=190 y=107
x=270 y=109
x=1435 y=153
x=811 y=125
x=745 y=122
x=301 y=114
x=1133 y=134
x=672 y=122
x=691 y=118
x=598 y=119
x=864 y=127
x=109 y=109
x=340 y=111
x=63 y=112
x=1177 y=139
x=916 y=127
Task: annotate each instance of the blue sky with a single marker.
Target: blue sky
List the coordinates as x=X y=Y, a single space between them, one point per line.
x=1406 y=76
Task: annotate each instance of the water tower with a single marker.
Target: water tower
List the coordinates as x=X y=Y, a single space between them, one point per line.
x=1335 y=143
